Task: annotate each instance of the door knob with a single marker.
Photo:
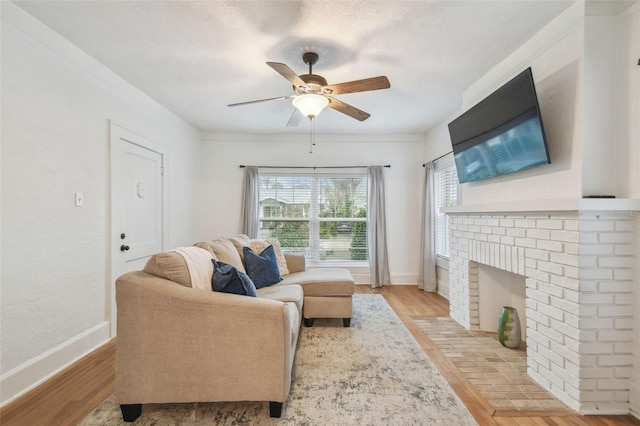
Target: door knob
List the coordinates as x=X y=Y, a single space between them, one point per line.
x=124 y=248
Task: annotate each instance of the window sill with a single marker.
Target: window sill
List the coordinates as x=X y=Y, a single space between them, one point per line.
x=442 y=262
x=339 y=264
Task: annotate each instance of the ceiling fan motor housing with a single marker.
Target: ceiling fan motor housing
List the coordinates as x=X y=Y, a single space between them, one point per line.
x=314 y=84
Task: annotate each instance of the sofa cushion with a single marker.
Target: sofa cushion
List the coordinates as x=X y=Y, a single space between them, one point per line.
x=228 y=279
x=257 y=245
x=224 y=251
x=284 y=293
x=322 y=282
x=262 y=268
x=240 y=241
x=169 y=265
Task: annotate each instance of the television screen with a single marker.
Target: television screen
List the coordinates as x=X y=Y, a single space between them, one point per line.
x=501 y=134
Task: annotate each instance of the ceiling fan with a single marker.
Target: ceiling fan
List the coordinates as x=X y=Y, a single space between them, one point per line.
x=312 y=93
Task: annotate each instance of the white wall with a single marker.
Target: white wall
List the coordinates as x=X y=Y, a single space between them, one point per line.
x=611 y=140
x=555 y=57
x=601 y=144
x=221 y=185
x=627 y=96
x=56 y=106
x=588 y=86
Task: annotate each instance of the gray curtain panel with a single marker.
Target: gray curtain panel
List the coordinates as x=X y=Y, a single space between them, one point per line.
x=250 y=202
x=376 y=228
x=427 y=274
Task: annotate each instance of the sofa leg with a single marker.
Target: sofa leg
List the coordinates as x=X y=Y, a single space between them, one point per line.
x=130 y=412
x=275 y=409
x=308 y=322
x=346 y=322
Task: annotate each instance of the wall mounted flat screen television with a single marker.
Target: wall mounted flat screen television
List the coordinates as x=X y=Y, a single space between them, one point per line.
x=501 y=134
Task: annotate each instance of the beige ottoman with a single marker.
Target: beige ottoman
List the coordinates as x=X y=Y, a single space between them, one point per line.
x=327 y=293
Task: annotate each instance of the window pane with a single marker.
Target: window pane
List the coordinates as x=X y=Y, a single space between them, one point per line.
x=345 y=240
x=322 y=217
x=342 y=197
x=292 y=235
x=285 y=196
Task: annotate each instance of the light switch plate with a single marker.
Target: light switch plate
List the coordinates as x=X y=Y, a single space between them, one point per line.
x=79 y=199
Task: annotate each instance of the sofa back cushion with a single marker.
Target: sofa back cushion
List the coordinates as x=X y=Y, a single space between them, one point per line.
x=224 y=251
x=241 y=241
x=169 y=265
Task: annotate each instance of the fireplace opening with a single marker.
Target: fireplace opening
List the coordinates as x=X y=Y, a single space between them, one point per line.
x=498 y=288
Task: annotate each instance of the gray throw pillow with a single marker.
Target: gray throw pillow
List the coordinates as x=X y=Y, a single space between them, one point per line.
x=227 y=279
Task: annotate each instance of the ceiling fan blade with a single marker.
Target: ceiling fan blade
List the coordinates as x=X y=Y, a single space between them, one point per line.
x=295 y=118
x=365 y=85
x=261 y=100
x=287 y=73
x=351 y=111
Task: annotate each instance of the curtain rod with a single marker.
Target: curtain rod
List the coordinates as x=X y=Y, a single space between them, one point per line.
x=436 y=159
x=242 y=166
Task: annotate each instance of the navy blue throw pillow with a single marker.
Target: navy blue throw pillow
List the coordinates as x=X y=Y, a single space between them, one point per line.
x=262 y=268
x=227 y=279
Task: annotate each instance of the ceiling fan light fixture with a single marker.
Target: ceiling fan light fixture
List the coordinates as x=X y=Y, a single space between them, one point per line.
x=310 y=105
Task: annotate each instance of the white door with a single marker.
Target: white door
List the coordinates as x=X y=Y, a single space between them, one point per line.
x=137 y=204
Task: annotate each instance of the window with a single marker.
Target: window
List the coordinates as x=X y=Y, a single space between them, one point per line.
x=446 y=194
x=322 y=217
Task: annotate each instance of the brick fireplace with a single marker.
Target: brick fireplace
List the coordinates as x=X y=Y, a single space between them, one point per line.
x=578 y=263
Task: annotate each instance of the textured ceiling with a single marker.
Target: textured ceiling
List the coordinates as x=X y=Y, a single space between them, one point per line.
x=195 y=57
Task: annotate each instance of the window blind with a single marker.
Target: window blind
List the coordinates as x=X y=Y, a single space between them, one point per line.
x=446 y=194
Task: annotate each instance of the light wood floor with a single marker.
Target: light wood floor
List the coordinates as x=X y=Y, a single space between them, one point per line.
x=69 y=396
x=408 y=301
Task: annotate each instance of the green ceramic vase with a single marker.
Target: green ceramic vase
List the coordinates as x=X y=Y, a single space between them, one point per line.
x=509 y=327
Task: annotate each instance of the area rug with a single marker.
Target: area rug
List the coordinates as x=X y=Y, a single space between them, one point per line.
x=372 y=373
x=497 y=372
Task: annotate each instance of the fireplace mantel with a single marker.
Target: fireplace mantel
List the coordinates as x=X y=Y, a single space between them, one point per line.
x=550 y=205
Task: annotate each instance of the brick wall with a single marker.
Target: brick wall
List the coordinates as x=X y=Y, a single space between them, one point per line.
x=579 y=302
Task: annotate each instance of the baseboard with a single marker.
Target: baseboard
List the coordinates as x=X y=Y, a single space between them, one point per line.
x=634 y=400
x=396 y=279
x=27 y=376
x=404 y=279
x=69 y=396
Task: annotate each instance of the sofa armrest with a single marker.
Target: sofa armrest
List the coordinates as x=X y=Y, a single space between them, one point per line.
x=178 y=344
x=295 y=262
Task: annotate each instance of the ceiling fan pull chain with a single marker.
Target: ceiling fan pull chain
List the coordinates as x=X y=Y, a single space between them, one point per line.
x=311 y=142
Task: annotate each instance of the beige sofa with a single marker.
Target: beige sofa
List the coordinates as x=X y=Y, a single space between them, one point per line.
x=178 y=341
